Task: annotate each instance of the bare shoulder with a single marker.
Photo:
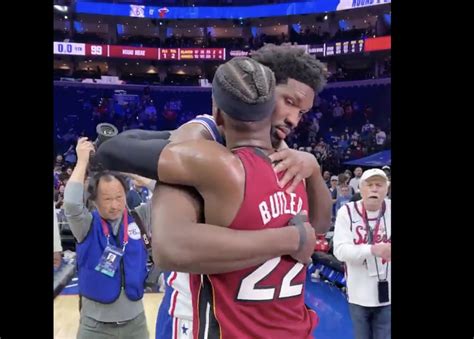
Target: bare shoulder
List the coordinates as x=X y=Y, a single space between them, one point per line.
x=216 y=155
x=199 y=163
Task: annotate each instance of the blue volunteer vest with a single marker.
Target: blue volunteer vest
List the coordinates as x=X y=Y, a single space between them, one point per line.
x=100 y=287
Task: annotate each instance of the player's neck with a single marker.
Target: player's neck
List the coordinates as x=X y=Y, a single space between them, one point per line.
x=253 y=139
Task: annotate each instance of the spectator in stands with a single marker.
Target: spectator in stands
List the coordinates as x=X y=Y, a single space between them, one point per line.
x=59 y=161
x=70 y=155
x=134 y=196
x=59 y=197
x=313 y=133
x=388 y=172
x=168 y=118
x=380 y=138
x=357 y=153
x=338 y=111
x=347 y=155
x=362 y=239
x=355 y=136
x=333 y=189
x=343 y=143
x=344 y=197
x=328 y=136
x=138 y=194
x=114 y=295
x=342 y=181
x=321 y=147
x=70 y=137
x=333 y=183
x=348 y=174
x=57 y=248
x=56 y=181
x=354 y=182
x=348 y=111
x=69 y=171
x=368 y=127
x=327 y=177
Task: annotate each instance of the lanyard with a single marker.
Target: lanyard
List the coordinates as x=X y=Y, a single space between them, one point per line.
x=370 y=234
x=105 y=229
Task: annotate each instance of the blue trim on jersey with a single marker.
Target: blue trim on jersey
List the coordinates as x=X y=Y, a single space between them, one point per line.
x=211 y=124
x=164 y=322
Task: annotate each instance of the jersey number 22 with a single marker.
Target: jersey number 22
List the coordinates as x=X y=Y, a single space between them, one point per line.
x=249 y=292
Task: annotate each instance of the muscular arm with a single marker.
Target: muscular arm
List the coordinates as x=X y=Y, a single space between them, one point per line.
x=320 y=202
x=180 y=243
x=138 y=151
x=215 y=172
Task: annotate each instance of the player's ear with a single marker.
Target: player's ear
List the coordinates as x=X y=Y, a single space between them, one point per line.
x=219 y=117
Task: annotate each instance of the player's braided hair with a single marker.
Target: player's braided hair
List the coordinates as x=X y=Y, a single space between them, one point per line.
x=244 y=89
x=292 y=62
x=246 y=79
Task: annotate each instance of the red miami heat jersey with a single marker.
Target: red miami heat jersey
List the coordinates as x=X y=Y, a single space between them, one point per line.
x=263 y=301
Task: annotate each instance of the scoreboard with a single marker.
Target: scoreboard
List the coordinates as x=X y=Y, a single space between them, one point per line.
x=131 y=52
x=337 y=48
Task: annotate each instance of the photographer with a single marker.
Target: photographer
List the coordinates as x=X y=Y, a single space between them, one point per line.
x=111 y=254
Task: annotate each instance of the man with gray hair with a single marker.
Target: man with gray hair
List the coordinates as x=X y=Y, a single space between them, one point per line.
x=362 y=239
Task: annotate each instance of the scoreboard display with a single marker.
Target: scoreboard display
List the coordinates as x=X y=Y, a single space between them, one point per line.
x=128 y=52
x=131 y=52
x=337 y=48
x=69 y=48
x=202 y=53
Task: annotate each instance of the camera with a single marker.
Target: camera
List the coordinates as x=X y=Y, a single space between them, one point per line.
x=105 y=131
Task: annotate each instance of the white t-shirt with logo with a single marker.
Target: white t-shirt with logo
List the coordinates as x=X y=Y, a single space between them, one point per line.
x=351 y=246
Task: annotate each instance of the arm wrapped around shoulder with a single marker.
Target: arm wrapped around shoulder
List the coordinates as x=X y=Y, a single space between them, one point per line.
x=128 y=153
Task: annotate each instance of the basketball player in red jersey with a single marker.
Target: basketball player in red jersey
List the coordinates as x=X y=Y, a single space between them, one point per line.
x=241 y=191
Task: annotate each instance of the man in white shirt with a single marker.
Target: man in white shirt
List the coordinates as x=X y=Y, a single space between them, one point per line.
x=362 y=239
x=380 y=138
x=354 y=182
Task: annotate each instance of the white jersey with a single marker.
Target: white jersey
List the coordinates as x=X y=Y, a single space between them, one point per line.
x=181 y=303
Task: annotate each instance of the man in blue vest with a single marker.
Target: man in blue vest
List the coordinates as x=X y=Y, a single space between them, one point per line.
x=111 y=254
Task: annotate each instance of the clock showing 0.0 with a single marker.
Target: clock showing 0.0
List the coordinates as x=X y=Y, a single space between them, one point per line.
x=69 y=48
